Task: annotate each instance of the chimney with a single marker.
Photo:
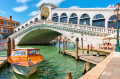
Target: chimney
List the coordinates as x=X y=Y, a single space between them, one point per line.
x=10 y=18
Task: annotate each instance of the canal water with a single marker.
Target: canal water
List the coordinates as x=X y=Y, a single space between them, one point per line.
x=54 y=65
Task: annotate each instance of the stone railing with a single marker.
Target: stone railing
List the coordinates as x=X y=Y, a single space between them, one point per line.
x=82 y=27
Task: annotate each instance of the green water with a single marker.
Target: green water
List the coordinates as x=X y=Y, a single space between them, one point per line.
x=54 y=65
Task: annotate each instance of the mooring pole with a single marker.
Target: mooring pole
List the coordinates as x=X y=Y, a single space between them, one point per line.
x=66 y=45
x=63 y=47
x=88 y=49
x=68 y=76
x=13 y=44
x=82 y=45
x=59 y=45
x=76 y=47
x=8 y=47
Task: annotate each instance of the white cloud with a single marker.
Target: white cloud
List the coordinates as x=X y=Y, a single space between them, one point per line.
x=20 y=9
x=22 y=1
x=74 y=7
x=33 y=13
x=2 y=12
x=55 y=2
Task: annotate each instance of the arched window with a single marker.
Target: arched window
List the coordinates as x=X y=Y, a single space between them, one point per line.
x=85 y=19
x=63 y=18
x=73 y=18
x=14 y=31
x=112 y=23
x=22 y=27
x=98 y=20
x=26 y=25
x=31 y=22
x=55 y=17
x=36 y=20
x=18 y=29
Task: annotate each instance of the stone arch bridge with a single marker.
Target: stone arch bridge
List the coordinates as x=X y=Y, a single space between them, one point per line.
x=43 y=32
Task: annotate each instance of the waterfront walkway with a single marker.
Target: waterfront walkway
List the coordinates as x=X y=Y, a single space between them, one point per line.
x=85 y=57
x=3 y=60
x=106 y=69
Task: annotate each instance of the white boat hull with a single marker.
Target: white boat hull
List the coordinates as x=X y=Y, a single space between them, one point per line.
x=24 y=70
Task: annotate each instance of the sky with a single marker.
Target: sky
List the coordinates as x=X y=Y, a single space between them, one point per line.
x=22 y=10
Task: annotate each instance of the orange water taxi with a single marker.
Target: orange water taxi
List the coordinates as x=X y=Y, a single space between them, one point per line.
x=25 y=60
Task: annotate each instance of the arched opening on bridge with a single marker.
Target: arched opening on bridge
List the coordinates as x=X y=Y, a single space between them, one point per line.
x=18 y=29
x=26 y=25
x=39 y=36
x=36 y=20
x=98 y=20
x=45 y=13
x=55 y=17
x=84 y=19
x=112 y=22
x=73 y=18
x=63 y=18
x=22 y=27
x=31 y=22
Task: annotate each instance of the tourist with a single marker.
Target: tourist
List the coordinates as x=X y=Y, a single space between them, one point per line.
x=91 y=47
x=110 y=46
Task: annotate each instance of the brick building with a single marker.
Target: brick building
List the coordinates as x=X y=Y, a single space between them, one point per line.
x=6 y=27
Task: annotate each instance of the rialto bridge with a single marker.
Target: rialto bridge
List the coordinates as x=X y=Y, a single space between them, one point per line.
x=51 y=21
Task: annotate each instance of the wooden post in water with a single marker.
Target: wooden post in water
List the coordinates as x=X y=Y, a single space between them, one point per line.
x=63 y=48
x=82 y=45
x=76 y=48
x=88 y=66
x=66 y=45
x=8 y=47
x=13 y=44
x=68 y=76
x=88 y=49
x=59 y=45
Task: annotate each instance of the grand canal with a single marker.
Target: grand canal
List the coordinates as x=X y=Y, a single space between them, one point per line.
x=54 y=66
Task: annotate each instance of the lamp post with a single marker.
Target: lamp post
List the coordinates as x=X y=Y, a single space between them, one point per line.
x=117 y=13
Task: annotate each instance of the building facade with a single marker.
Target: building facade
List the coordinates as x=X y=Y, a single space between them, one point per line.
x=6 y=27
x=96 y=17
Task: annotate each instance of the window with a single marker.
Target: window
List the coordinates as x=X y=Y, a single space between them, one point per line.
x=16 y=25
x=4 y=22
x=18 y=29
x=13 y=24
x=19 y=53
x=8 y=23
x=33 y=52
x=22 y=26
x=8 y=31
x=5 y=30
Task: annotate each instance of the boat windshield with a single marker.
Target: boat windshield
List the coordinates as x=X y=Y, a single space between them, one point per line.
x=19 y=52
x=33 y=52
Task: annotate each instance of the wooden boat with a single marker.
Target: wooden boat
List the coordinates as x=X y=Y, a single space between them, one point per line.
x=25 y=60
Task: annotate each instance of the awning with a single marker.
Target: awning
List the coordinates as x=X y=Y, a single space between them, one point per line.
x=5 y=35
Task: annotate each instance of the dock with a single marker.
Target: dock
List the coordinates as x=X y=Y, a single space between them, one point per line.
x=3 y=60
x=85 y=57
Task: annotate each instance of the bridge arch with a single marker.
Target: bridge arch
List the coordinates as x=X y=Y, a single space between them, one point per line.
x=36 y=20
x=63 y=18
x=26 y=24
x=112 y=23
x=55 y=17
x=44 y=13
x=18 y=29
x=84 y=19
x=31 y=22
x=98 y=20
x=22 y=27
x=73 y=18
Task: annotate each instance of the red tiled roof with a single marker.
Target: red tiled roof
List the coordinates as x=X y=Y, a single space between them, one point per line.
x=4 y=18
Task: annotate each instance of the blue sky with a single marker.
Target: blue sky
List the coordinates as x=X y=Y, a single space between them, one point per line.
x=22 y=10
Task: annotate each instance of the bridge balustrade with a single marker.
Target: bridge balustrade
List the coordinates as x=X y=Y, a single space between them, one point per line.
x=84 y=27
